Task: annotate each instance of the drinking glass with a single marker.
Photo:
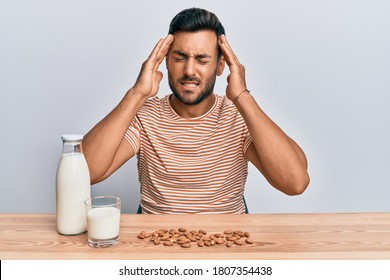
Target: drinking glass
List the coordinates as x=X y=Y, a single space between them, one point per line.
x=103 y=220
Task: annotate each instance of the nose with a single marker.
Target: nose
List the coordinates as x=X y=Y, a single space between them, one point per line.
x=189 y=68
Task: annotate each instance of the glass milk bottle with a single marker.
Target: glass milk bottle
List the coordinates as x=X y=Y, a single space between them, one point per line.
x=73 y=187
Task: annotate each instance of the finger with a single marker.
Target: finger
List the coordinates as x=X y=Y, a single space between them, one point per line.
x=153 y=54
x=158 y=52
x=230 y=57
x=162 y=52
x=159 y=76
x=227 y=51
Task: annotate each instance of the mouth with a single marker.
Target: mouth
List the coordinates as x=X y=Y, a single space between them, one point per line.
x=189 y=85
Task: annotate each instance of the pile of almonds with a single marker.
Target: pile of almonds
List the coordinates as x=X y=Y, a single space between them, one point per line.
x=186 y=238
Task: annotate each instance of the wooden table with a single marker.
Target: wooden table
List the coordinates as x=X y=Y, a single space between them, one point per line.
x=275 y=236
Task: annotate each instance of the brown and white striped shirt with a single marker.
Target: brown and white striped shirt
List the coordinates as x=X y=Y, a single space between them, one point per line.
x=195 y=165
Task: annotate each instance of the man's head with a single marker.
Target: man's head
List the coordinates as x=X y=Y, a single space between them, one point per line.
x=194 y=59
x=196 y=19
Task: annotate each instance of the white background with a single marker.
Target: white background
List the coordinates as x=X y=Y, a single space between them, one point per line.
x=320 y=69
x=281 y=269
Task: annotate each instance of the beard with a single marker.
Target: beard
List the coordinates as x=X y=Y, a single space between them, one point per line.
x=185 y=97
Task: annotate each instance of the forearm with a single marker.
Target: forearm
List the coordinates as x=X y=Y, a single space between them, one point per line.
x=277 y=156
x=282 y=159
x=102 y=142
x=102 y=145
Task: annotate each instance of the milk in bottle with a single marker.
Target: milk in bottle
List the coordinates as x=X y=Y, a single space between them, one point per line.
x=73 y=187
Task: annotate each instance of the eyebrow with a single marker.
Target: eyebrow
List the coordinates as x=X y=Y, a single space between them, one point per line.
x=197 y=56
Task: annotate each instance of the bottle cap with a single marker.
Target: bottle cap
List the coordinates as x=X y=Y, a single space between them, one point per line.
x=72 y=137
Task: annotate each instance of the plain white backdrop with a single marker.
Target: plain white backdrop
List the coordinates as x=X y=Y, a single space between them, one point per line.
x=319 y=69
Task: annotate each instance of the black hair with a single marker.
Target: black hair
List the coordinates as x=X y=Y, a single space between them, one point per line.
x=196 y=19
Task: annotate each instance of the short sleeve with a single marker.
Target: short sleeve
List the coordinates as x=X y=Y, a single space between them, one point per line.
x=247 y=142
x=133 y=133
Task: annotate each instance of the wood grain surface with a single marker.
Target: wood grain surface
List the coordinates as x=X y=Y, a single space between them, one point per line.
x=276 y=236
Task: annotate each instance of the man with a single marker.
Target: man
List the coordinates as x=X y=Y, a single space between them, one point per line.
x=193 y=146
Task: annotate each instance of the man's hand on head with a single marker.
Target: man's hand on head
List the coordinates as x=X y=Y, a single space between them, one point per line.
x=236 y=78
x=149 y=78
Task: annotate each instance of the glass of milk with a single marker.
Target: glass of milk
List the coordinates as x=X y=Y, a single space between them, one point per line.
x=103 y=220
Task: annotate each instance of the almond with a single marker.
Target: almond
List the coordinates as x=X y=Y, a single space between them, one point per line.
x=249 y=241
x=168 y=243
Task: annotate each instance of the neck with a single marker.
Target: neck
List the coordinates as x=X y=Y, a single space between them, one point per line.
x=192 y=111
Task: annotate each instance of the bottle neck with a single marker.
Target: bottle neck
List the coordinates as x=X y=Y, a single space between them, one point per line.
x=72 y=148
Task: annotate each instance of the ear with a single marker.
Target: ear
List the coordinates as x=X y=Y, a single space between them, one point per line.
x=220 y=66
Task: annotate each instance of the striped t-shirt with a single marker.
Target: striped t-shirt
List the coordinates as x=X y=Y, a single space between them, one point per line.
x=195 y=165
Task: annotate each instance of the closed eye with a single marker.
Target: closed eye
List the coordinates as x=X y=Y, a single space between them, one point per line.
x=202 y=61
x=179 y=56
x=201 y=58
